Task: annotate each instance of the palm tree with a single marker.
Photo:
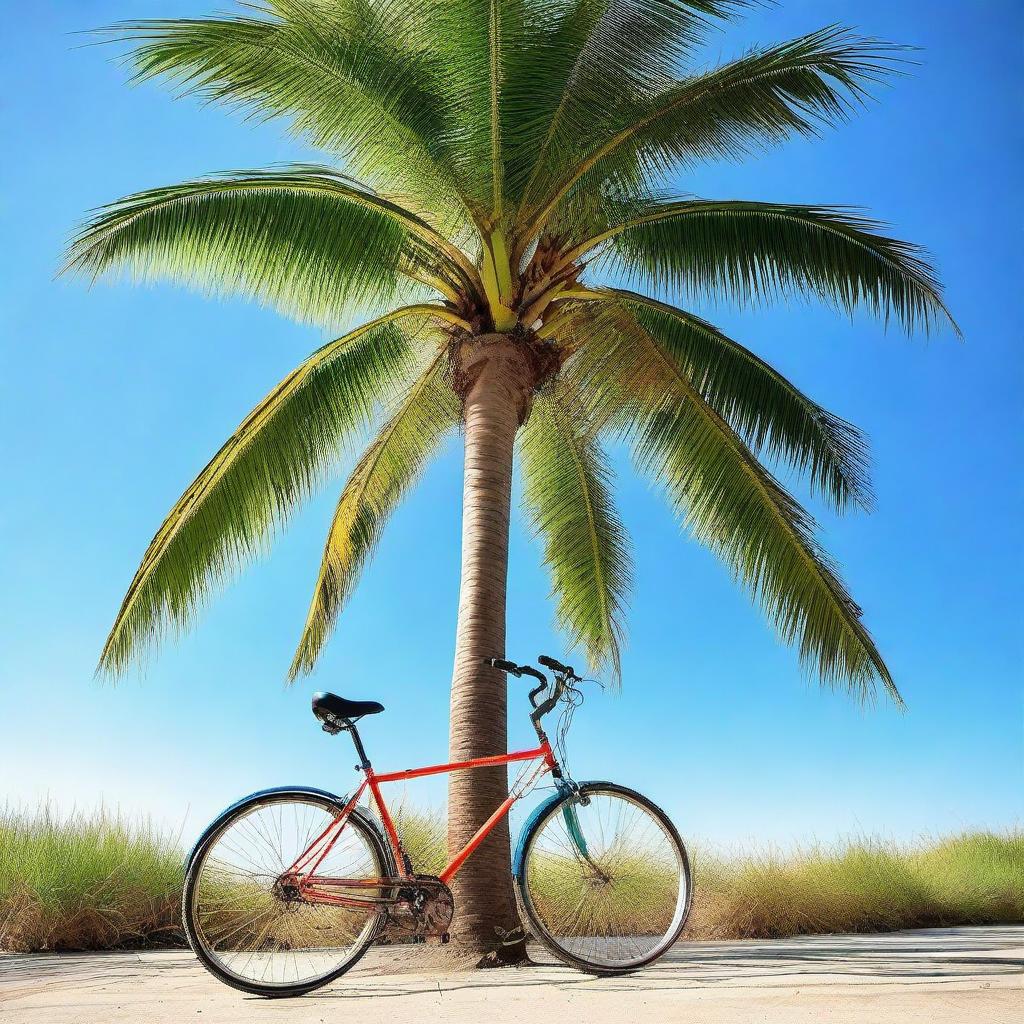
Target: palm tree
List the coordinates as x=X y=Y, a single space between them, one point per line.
x=504 y=161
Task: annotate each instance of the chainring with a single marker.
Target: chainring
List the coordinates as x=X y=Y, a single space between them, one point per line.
x=424 y=909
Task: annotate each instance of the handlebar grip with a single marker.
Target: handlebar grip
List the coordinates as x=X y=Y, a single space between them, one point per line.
x=502 y=665
x=556 y=666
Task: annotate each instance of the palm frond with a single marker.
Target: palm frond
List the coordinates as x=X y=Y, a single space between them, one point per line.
x=275 y=458
x=773 y=417
x=730 y=503
x=599 y=67
x=349 y=76
x=310 y=241
x=501 y=67
x=568 y=498
x=754 y=252
x=388 y=468
x=763 y=98
x=469 y=42
x=495 y=76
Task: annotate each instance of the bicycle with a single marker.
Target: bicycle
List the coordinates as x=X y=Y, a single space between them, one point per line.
x=289 y=887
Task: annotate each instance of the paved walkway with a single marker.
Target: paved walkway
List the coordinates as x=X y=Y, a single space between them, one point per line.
x=958 y=975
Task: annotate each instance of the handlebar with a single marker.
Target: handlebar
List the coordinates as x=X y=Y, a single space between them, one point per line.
x=563 y=674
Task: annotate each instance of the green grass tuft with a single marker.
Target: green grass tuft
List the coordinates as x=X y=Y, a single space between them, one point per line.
x=865 y=885
x=86 y=882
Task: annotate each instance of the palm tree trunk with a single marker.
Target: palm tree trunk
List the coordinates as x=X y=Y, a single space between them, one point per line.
x=496 y=382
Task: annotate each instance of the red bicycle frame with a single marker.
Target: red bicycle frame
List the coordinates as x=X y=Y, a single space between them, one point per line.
x=317 y=889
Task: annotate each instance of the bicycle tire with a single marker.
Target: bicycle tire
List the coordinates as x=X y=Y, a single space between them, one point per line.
x=194 y=929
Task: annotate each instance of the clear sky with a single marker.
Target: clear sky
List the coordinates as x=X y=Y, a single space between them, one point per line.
x=111 y=400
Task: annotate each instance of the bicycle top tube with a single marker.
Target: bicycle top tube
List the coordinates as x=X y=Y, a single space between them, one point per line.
x=543 y=751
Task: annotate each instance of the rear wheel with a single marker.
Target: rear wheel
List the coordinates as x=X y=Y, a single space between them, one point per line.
x=254 y=933
x=605 y=880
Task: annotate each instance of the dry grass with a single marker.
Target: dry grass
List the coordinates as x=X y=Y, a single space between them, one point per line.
x=97 y=882
x=86 y=882
x=861 y=886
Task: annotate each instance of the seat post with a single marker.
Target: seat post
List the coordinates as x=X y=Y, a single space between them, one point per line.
x=364 y=761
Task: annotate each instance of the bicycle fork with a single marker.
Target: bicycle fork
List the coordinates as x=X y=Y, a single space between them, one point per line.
x=572 y=826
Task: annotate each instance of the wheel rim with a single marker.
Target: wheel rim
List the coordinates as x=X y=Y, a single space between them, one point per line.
x=254 y=929
x=606 y=882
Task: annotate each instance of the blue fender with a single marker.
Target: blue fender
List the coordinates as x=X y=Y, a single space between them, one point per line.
x=307 y=790
x=571 y=823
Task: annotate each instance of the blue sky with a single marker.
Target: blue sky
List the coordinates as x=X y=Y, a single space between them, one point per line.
x=112 y=399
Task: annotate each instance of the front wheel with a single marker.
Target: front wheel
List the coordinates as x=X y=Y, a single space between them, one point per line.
x=251 y=931
x=604 y=879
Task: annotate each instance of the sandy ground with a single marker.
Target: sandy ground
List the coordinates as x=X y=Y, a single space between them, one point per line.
x=960 y=975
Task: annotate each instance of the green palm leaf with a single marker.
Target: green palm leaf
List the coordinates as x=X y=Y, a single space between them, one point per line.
x=757 y=251
x=598 y=64
x=350 y=76
x=307 y=240
x=763 y=98
x=275 y=458
x=568 y=497
x=774 y=417
x=735 y=507
x=387 y=469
